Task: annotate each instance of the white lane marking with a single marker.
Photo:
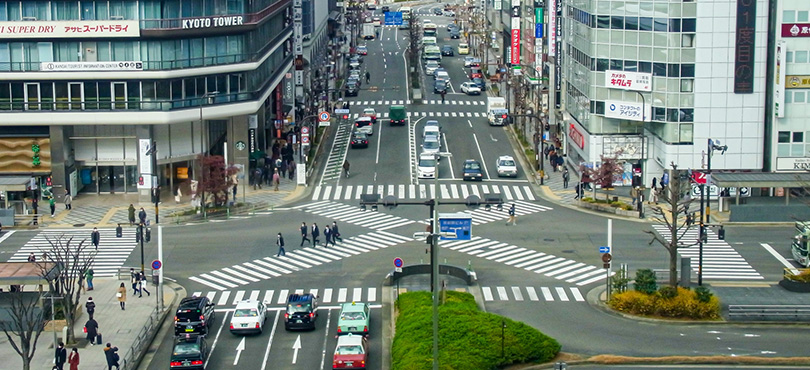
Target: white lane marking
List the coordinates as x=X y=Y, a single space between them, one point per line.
x=327 y=295
x=216 y=338
x=372 y=294
x=282 y=296
x=480 y=153
x=577 y=294
x=342 y=295
x=547 y=294
x=6 y=235
x=487 y=293
x=223 y=298
x=532 y=293
x=270 y=340
x=357 y=295
x=517 y=293
x=502 y=293
x=268 y=296
x=238 y=297
x=325 y=337
x=779 y=258
x=561 y=293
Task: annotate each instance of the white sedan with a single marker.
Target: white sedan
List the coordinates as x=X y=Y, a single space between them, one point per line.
x=506 y=166
x=249 y=317
x=470 y=88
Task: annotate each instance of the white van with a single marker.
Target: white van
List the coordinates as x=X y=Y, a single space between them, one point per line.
x=426 y=168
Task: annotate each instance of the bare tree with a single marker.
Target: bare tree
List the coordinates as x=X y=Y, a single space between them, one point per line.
x=414 y=41
x=72 y=260
x=607 y=171
x=26 y=323
x=674 y=205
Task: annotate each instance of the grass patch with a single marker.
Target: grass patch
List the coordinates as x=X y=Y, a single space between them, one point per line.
x=468 y=338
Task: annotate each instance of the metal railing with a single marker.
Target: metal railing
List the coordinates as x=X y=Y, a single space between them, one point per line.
x=142 y=341
x=769 y=312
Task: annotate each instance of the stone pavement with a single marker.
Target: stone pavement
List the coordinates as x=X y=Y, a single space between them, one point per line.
x=129 y=329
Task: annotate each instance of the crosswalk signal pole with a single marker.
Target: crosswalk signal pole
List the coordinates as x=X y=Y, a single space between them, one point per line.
x=141 y=236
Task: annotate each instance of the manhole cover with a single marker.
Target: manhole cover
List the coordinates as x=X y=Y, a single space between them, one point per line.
x=567 y=251
x=548 y=240
x=78 y=225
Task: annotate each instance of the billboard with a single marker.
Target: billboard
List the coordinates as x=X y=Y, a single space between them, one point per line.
x=779 y=80
x=69 y=29
x=626 y=110
x=635 y=81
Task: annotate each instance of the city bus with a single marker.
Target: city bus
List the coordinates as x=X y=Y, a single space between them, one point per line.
x=799 y=246
x=430 y=29
x=406 y=12
x=431 y=52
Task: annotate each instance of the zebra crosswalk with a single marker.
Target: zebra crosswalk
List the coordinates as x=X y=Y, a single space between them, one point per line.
x=278 y=297
x=111 y=255
x=354 y=215
x=720 y=260
x=295 y=259
x=365 y=103
x=423 y=191
x=549 y=265
x=384 y=115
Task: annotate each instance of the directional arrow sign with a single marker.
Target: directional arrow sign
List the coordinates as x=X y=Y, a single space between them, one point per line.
x=239 y=349
x=296 y=347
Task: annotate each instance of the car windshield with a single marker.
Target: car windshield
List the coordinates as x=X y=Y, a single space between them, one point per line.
x=427 y=163
x=300 y=307
x=349 y=350
x=369 y=111
x=433 y=64
x=432 y=144
x=352 y=316
x=507 y=163
x=359 y=136
x=246 y=312
x=362 y=123
x=187 y=348
x=472 y=166
x=188 y=315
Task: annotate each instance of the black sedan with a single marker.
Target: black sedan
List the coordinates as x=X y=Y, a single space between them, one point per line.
x=440 y=86
x=359 y=140
x=189 y=352
x=352 y=89
x=447 y=51
x=472 y=170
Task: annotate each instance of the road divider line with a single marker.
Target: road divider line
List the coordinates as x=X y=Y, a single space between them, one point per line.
x=270 y=341
x=279 y=309
x=779 y=258
x=325 y=338
x=216 y=338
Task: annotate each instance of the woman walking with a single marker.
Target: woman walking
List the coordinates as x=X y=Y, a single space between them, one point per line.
x=131 y=212
x=122 y=296
x=73 y=359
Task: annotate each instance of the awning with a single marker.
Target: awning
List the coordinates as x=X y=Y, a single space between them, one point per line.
x=761 y=179
x=27 y=273
x=14 y=183
x=334 y=15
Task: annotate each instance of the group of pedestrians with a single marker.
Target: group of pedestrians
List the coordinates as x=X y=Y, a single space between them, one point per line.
x=61 y=357
x=272 y=172
x=331 y=234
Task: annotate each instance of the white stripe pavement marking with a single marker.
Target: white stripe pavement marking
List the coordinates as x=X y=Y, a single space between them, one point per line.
x=357 y=295
x=211 y=295
x=528 y=192
x=502 y=293
x=314 y=292
x=507 y=193
x=197 y=294
x=517 y=293
x=249 y=271
x=338 y=191
x=282 y=296
x=561 y=293
x=299 y=291
x=599 y=277
x=487 y=293
x=779 y=258
x=454 y=191
x=268 y=296
x=518 y=194
x=225 y=282
x=223 y=298
x=257 y=268
x=327 y=295
x=547 y=294
x=6 y=235
x=209 y=284
x=577 y=294
x=254 y=295
x=348 y=194
x=342 y=295
x=316 y=193
x=238 y=297
x=372 y=294
x=532 y=293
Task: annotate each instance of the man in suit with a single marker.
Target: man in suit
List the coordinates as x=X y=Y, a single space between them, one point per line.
x=315 y=233
x=61 y=356
x=95 y=237
x=304 y=231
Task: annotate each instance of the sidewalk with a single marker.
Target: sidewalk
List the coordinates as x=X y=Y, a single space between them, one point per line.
x=129 y=330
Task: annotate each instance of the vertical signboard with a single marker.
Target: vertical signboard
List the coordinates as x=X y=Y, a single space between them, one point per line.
x=779 y=80
x=298 y=49
x=514 y=42
x=744 y=47
x=558 y=60
x=552 y=28
x=145 y=162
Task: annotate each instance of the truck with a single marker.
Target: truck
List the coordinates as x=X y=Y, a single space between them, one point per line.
x=496 y=111
x=368 y=31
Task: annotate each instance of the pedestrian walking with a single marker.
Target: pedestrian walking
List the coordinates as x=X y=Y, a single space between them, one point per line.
x=131 y=214
x=60 y=356
x=88 y=275
x=654 y=195
x=278 y=164
x=335 y=232
x=634 y=195
x=68 y=200
x=276 y=179
x=327 y=234
x=566 y=177
x=664 y=180
x=121 y=294
x=283 y=169
x=119 y=231
x=346 y=167
x=304 y=232
x=52 y=203
x=142 y=285
x=368 y=76
x=91 y=328
x=90 y=307
x=32 y=257
x=111 y=354
x=291 y=169
x=443 y=94
x=280 y=244
x=142 y=216
x=95 y=237
x=257 y=178
x=177 y=195
x=235 y=188
x=133 y=279
x=578 y=190
x=315 y=234
x=73 y=359
x=512 y=217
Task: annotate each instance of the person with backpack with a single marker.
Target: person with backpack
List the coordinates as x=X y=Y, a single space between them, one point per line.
x=111 y=354
x=90 y=306
x=512 y=217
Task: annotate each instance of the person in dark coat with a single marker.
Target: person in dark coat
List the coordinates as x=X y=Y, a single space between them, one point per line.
x=142 y=216
x=335 y=232
x=61 y=356
x=283 y=169
x=131 y=214
x=315 y=233
x=291 y=169
x=566 y=177
x=91 y=326
x=111 y=354
x=304 y=232
x=95 y=237
x=578 y=190
x=327 y=234
x=280 y=244
x=90 y=307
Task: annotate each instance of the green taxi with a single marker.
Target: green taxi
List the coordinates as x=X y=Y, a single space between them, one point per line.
x=354 y=318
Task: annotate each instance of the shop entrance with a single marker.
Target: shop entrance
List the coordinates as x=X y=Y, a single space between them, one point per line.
x=106 y=178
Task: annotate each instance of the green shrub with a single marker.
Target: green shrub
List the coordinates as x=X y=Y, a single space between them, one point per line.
x=470 y=339
x=684 y=304
x=645 y=281
x=667 y=292
x=703 y=294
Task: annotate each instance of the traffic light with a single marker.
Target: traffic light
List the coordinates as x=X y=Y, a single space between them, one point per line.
x=346 y=116
x=35 y=160
x=48 y=181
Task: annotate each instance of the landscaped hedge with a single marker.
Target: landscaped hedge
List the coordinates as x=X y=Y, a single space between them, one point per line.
x=686 y=304
x=469 y=339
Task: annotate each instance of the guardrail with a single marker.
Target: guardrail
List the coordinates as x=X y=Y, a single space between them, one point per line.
x=769 y=312
x=132 y=358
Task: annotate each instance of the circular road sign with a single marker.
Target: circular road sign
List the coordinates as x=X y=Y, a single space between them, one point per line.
x=398 y=262
x=304 y=139
x=305 y=130
x=323 y=116
x=156 y=265
x=606 y=257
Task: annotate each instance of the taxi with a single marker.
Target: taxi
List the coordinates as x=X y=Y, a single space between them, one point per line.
x=189 y=352
x=354 y=318
x=351 y=352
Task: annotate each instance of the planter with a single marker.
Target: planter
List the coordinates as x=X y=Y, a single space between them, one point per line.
x=795 y=286
x=50 y=325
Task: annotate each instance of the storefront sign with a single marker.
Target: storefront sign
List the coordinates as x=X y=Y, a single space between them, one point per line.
x=627 y=147
x=143 y=158
x=552 y=28
x=635 y=81
x=213 y=22
x=299 y=78
x=628 y=111
x=90 y=66
x=538 y=30
x=793 y=164
x=745 y=46
x=796 y=30
x=71 y=29
x=576 y=136
x=538 y=15
x=515 y=50
x=779 y=80
x=182 y=173
x=797 y=82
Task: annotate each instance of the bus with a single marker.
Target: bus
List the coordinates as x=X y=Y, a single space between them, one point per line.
x=799 y=246
x=406 y=12
x=431 y=52
x=430 y=29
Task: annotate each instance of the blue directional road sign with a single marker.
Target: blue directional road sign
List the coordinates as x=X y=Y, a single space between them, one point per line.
x=604 y=249
x=459 y=223
x=393 y=18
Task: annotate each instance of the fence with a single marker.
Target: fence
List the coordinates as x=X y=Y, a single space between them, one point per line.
x=133 y=357
x=771 y=312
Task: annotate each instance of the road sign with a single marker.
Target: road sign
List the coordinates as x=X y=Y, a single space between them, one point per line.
x=156 y=265
x=305 y=130
x=393 y=18
x=699 y=177
x=304 y=139
x=606 y=258
x=341 y=111
x=604 y=249
x=459 y=223
x=323 y=116
x=398 y=262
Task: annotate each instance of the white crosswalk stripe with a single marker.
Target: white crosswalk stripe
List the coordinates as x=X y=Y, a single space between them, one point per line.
x=229 y=298
x=296 y=259
x=453 y=191
x=111 y=254
x=558 y=268
x=516 y=293
x=366 y=103
x=354 y=215
x=720 y=260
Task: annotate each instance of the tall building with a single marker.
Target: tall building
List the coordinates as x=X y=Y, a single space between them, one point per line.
x=657 y=79
x=95 y=83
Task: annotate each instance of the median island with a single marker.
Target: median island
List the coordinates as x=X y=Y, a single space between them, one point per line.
x=469 y=339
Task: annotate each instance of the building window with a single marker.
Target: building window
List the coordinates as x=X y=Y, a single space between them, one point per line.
x=788 y=16
x=784 y=136
x=631 y=23
x=645 y=24
x=675 y=25
x=688 y=40
x=602 y=21
x=689 y=25
x=687 y=70
x=801 y=16
x=645 y=67
x=798 y=97
x=660 y=24
x=687 y=85
x=660 y=69
x=617 y=22
x=800 y=56
x=798 y=137
x=788 y=97
x=789 y=57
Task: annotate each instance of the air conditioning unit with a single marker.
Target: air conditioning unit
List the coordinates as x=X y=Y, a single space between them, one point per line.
x=29 y=18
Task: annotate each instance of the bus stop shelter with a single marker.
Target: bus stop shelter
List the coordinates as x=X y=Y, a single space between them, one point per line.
x=763 y=208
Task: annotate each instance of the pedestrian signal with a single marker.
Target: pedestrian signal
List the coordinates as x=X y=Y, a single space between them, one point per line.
x=48 y=181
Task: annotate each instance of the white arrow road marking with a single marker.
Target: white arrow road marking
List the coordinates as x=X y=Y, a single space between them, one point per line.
x=239 y=349
x=296 y=347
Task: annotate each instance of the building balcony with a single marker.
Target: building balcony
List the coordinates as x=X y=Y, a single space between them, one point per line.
x=210 y=25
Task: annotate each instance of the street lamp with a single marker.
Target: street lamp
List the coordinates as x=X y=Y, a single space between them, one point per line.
x=713 y=145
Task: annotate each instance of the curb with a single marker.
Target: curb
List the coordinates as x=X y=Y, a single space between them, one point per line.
x=144 y=359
